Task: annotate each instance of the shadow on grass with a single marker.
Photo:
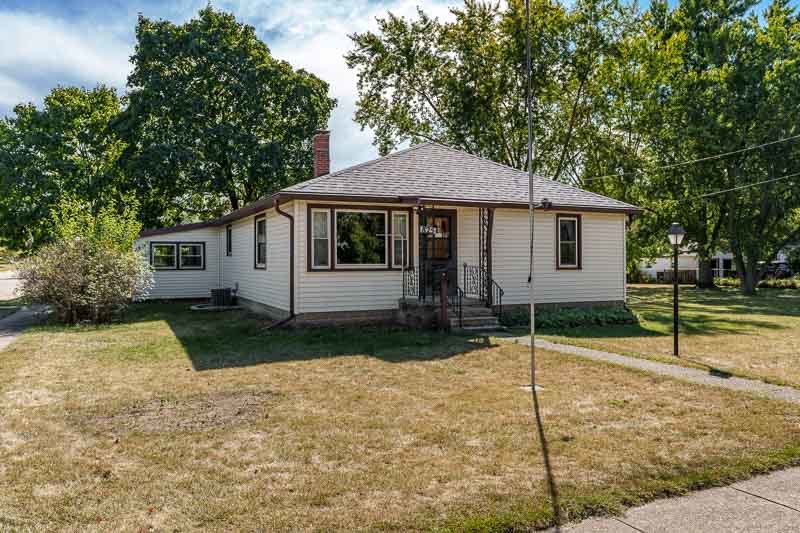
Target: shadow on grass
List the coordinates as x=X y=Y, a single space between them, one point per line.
x=238 y=339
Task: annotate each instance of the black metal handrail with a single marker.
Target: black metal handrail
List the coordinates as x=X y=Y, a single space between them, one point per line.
x=410 y=282
x=497 y=297
x=479 y=284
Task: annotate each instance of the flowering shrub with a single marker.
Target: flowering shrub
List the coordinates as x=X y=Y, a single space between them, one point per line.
x=91 y=272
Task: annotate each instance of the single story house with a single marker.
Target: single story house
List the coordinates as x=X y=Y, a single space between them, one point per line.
x=357 y=243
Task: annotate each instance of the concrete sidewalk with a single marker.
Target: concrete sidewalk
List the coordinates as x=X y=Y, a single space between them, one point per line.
x=13 y=325
x=766 y=503
x=8 y=283
x=694 y=375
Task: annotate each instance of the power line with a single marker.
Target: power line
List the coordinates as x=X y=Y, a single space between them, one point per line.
x=694 y=161
x=747 y=186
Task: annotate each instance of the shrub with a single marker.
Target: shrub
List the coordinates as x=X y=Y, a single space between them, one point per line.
x=728 y=282
x=769 y=283
x=91 y=272
x=570 y=318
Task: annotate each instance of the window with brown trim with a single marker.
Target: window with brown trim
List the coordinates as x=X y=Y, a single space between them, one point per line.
x=343 y=237
x=568 y=247
x=260 y=252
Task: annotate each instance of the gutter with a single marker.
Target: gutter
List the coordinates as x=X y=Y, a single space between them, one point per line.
x=291 y=262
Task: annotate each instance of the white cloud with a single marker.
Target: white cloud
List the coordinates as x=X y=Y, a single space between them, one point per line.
x=40 y=51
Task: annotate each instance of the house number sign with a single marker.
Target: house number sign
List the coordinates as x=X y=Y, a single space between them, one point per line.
x=429 y=230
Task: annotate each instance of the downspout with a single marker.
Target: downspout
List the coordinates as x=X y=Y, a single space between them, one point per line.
x=291 y=264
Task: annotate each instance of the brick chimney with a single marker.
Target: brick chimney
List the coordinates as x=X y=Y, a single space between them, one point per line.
x=321 y=148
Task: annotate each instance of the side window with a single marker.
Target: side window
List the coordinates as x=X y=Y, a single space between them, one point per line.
x=163 y=256
x=320 y=239
x=569 y=249
x=400 y=239
x=192 y=256
x=261 y=243
x=229 y=241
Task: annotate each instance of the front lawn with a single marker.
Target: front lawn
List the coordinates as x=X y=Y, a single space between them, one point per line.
x=722 y=330
x=174 y=420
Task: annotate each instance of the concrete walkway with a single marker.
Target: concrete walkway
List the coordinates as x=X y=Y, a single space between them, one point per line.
x=694 y=375
x=766 y=503
x=8 y=283
x=13 y=325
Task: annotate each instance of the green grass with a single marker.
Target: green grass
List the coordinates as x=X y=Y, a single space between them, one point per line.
x=178 y=420
x=751 y=336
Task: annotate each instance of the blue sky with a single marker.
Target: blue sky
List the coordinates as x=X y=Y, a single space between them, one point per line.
x=44 y=43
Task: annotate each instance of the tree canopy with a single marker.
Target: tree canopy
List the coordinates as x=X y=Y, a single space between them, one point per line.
x=213 y=121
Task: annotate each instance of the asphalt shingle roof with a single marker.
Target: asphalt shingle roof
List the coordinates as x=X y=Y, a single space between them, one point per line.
x=437 y=172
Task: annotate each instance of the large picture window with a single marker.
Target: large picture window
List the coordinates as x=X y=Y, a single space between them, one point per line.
x=361 y=238
x=261 y=243
x=178 y=255
x=569 y=245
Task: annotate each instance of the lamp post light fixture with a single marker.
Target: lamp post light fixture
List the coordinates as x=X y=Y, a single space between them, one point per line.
x=676 y=234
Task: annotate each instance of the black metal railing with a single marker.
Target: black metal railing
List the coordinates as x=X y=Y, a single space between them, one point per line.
x=478 y=284
x=456 y=305
x=475 y=282
x=497 y=297
x=410 y=283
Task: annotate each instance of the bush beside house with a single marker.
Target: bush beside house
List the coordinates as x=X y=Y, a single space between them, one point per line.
x=91 y=271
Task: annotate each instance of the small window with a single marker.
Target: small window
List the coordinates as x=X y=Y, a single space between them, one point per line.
x=191 y=256
x=163 y=256
x=361 y=238
x=261 y=243
x=320 y=238
x=229 y=241
x=400 y=239
x=569 y=233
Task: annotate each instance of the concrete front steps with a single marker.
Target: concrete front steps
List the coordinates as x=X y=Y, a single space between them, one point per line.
x=475 y=317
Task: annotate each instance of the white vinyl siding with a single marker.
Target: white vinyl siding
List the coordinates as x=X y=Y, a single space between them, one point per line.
x=271 y=286
x=601 y=278
x=186 y=282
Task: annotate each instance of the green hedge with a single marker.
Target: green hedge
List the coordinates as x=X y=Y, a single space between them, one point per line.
x=788 y=283
x=571 y=318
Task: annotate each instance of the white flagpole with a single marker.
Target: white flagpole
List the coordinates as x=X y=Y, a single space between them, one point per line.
x=531 y=155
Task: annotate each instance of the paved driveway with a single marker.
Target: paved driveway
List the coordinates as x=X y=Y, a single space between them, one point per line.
x=8 y=282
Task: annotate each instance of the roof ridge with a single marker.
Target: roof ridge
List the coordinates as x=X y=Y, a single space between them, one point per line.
x=299 y=186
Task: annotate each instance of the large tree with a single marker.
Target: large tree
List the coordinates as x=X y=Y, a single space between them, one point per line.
x=213 y=120
x=65 y=149
x=462 y=82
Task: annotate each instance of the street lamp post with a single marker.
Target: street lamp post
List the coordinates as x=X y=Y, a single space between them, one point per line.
x=676 y=234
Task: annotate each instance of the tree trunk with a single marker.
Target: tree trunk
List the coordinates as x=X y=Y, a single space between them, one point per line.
x=749 y=281
x=705 y=276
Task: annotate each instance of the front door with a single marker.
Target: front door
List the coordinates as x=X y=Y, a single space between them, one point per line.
x=438 y=238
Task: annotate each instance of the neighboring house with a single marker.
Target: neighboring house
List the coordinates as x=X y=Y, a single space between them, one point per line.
x=334 y=247
x=722 y=264
x=661 y=268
